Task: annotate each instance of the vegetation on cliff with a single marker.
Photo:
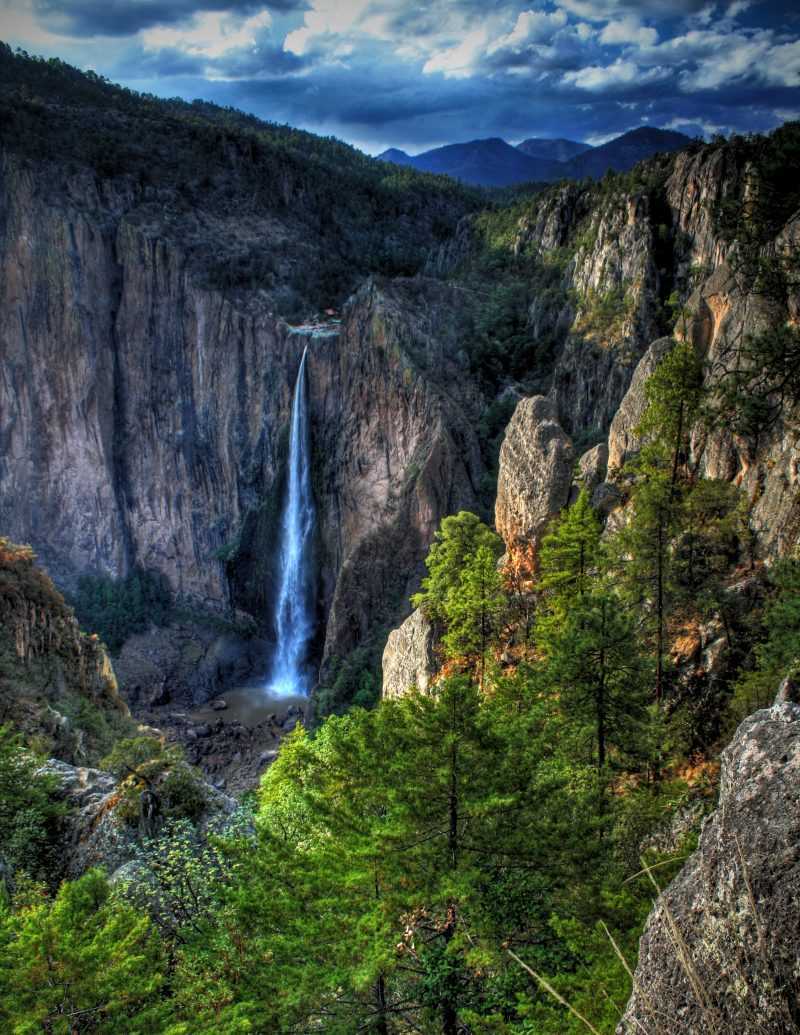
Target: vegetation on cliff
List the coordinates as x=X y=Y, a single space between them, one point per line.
x=201 y=172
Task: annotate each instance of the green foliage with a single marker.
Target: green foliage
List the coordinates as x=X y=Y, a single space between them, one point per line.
x=570 y=555
x=674 y=393
x=352 y=680
x=594 y=657
x=145 y=765
x=475 y=609
x=458 y=539
x=762 y=386
x=777 y=655
x=117 y=609
x=84 y=962
x=29 y=814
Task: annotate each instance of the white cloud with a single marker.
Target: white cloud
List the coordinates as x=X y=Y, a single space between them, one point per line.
x=210 y=34
x=621 y=73
x=738 y=7
x=326 y=18
x=530 y=27
x=628 y=30
x=782 y=66
x=458 y=61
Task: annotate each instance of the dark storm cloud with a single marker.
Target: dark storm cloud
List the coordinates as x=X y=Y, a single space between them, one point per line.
x=125 y=18
x=413 y=75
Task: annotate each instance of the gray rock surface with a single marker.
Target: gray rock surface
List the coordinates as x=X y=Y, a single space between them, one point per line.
x=622 y=440
x=93 y=834
x=409 y=659
x=535 y=475
x=719 y=953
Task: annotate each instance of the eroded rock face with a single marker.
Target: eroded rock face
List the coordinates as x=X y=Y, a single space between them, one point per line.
x=720 y=949
x=623 y=442
x=536 y=462
x=394 y=431
x=409 y=658
x=143 y=415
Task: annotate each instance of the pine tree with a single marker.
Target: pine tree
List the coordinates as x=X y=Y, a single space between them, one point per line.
x=594 y=662
x=457 y=540
x=474 y=609
x=570 y=557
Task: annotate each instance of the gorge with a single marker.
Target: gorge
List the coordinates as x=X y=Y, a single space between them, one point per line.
x=505 y=487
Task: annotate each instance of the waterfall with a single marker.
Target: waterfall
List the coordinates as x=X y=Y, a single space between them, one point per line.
x=294 y=622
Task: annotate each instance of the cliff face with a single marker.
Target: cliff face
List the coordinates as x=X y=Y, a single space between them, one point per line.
x=622 y=252
x=140 y=414
x=143 y=416
x=719 y=952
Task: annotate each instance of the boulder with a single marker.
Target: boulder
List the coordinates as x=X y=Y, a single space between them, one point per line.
x=535 y=475
x=719 y=951
x=409 y=659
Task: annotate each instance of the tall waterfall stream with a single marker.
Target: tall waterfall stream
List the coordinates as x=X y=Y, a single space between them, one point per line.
x=294 y=612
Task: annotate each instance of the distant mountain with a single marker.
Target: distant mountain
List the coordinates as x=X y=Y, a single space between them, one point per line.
x=396 y=156
x=559 y=150
x=622 y=153
x=486 y=163
x=494 y=163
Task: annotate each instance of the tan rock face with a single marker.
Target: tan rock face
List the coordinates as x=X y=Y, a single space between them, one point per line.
x=536 y=463
x=409 y=659
x=394 y=433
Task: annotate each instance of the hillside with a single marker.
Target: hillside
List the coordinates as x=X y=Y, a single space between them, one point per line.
x=626 y=151
x=488 y=163
x=494 y=163
x=203 y=174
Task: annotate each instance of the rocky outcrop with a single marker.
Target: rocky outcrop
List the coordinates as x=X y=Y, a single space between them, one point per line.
x=536 y=462
x=622 y=440
x=93 y=832
x=409 y=658
x=56 y=683
x=719 y=952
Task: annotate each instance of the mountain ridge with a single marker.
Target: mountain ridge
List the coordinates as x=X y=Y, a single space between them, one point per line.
x=491 y=162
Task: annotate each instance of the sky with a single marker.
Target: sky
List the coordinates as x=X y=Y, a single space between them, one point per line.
x=397 y=73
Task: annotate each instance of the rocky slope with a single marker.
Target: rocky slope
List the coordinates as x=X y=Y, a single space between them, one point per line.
x=719 y=953
x=57 y=685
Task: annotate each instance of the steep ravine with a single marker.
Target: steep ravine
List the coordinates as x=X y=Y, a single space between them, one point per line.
x=144 y=416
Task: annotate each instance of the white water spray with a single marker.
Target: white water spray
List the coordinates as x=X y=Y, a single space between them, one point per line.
x=294 y=622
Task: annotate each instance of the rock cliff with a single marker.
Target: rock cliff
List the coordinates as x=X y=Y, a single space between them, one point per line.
x=56 y=683
x=719 y=952
x=536 y=462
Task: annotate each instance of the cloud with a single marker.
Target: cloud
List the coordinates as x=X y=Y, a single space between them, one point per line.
x=598 y=78
x=210 y=34
x=628 y=30
x=89 y=18
x=530 y=27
